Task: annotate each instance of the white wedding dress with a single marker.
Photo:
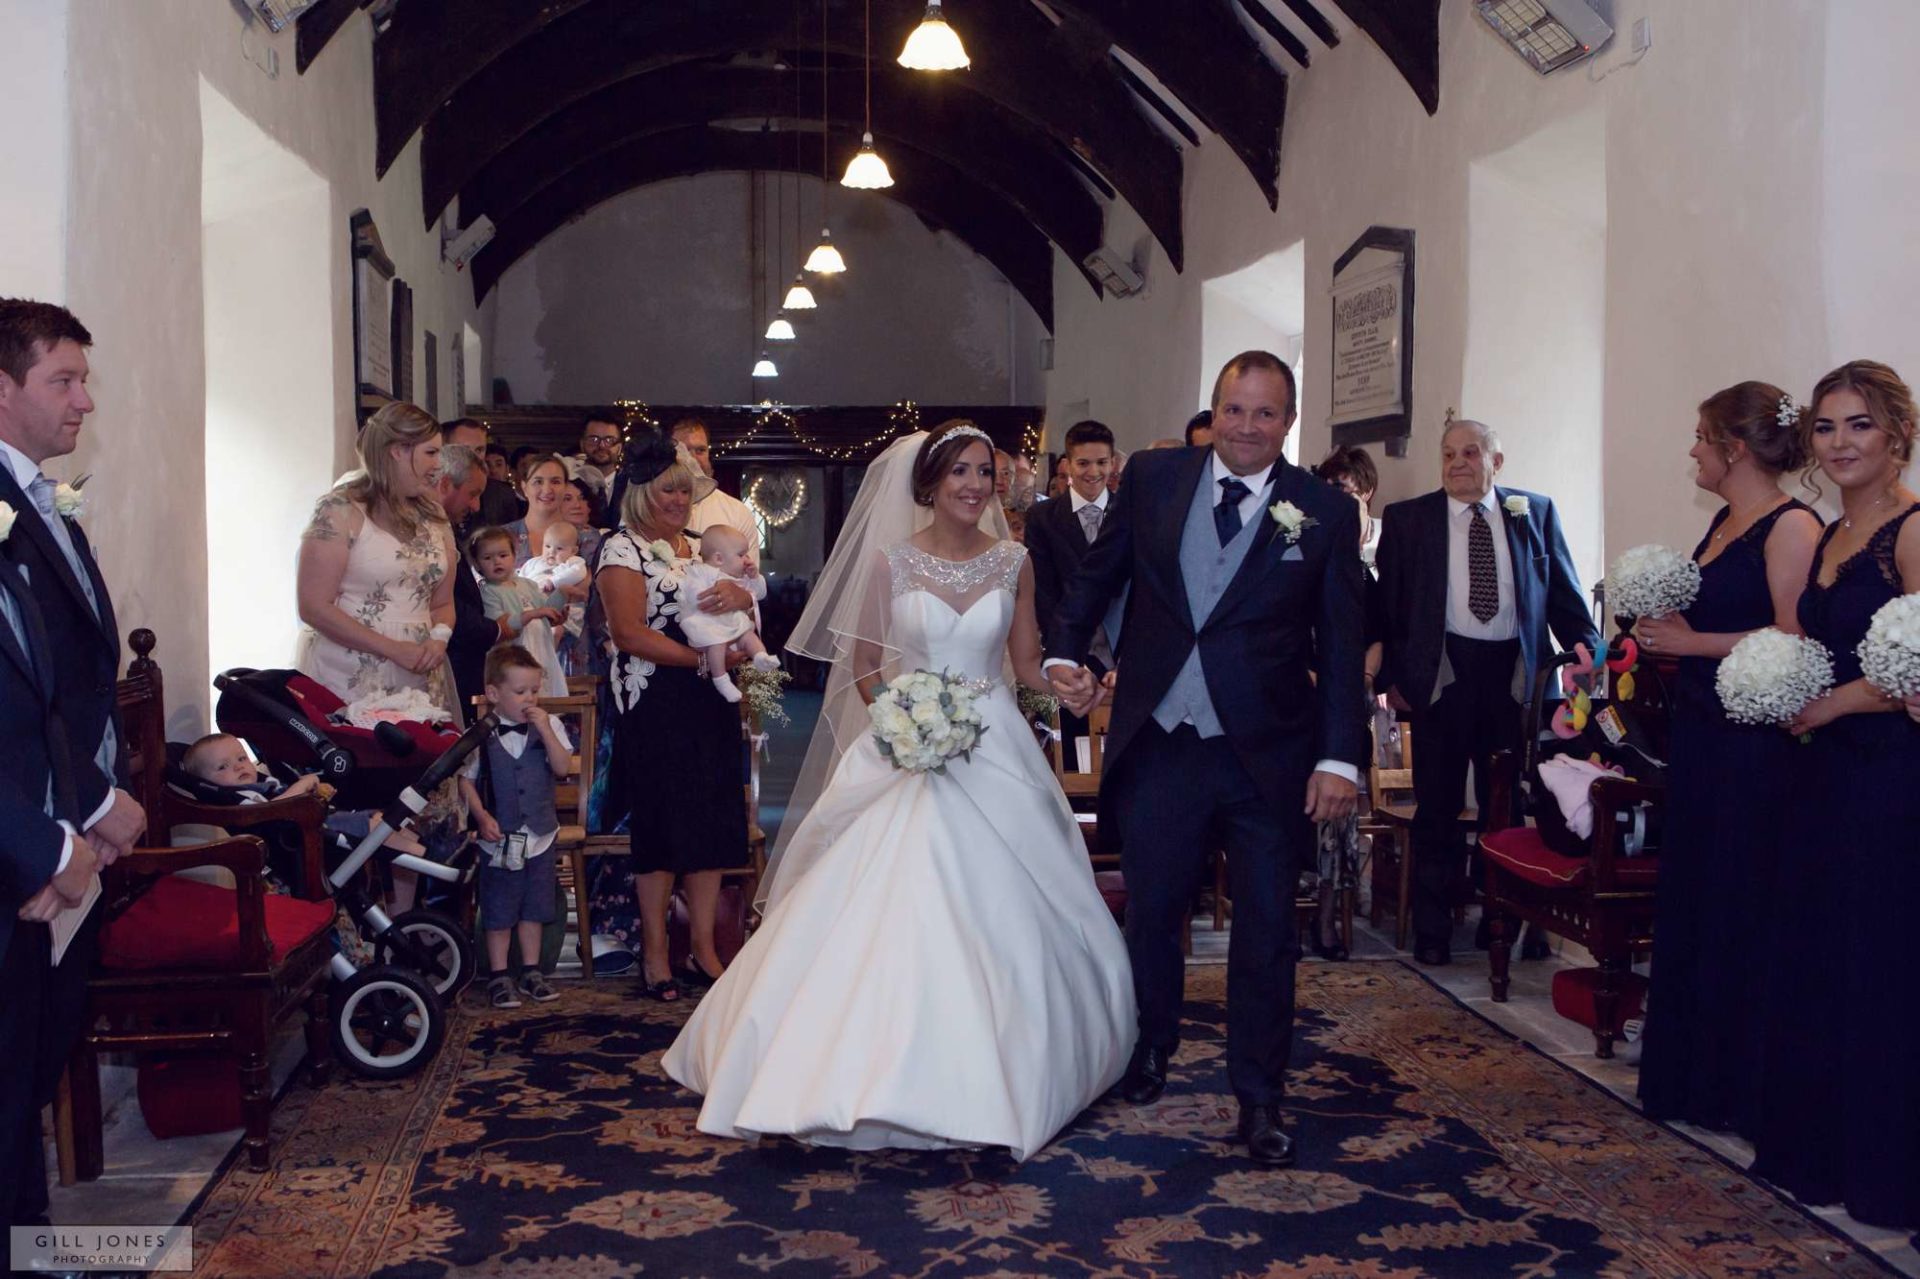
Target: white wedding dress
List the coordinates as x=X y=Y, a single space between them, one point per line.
x=936 y=967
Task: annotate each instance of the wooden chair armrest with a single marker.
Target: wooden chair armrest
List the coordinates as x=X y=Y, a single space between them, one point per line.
x=246 y=857
x=1611 y=796
x=1503 y=773
x=308 y=812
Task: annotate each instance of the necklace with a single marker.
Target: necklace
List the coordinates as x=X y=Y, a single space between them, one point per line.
x=1846 y=522
x=1734 y=517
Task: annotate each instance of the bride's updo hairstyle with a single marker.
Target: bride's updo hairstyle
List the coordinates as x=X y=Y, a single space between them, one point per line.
x=937 y=454
x=1761 y=416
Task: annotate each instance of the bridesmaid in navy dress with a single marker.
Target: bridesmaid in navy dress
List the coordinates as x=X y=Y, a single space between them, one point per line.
x=1729 y=785
x=1840 y=1120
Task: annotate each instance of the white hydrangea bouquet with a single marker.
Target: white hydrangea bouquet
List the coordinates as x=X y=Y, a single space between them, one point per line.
x=922 y=719
x=1890 y=654
x=1652 y=581
x=1770 y=676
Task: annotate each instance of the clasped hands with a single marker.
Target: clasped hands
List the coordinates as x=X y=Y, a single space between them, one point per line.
x=104 y=842
x=1078 y=689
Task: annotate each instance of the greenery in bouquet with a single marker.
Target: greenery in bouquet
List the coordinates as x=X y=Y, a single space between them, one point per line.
x=1036 y=705
x=921 y=720
x=764 y=692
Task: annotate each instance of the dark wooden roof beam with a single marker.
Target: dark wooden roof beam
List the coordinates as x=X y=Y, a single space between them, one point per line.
x=1152 y=97
x=1276 y=29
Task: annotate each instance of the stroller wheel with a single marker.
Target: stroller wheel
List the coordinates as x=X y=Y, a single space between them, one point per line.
x=387 y=1022
x=432 y=945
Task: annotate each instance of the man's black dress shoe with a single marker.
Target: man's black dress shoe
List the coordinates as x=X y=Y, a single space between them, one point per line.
x=1267 y=1142
x=1146 y=1077
x=1432 y=954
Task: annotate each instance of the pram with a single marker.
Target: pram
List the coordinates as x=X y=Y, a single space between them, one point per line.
x=388 y=1018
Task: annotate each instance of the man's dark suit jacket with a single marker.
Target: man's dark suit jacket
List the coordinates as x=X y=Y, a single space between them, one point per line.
x=1412 y=561
x=1279 y=618
x=86 y=674
x=474 y=635
x=31 y=848
x=1056 y=543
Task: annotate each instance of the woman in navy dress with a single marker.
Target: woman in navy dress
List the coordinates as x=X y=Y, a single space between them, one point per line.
x=1729 y=784
x=1840 y=1119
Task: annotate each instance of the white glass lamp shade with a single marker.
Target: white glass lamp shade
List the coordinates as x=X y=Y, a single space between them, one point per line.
x=826 y=259
x=781 y=330
x=765 y=367
x=867 y=171
x=799 y=297
x=934 y=46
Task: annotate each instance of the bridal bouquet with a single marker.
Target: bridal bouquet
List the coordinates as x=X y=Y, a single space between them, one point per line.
x=922 y=719
x=1890 y=654
x=1652 y=581
x=1771 y=675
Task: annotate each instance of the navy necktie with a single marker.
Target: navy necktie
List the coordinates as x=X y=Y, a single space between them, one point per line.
x=1226 y=516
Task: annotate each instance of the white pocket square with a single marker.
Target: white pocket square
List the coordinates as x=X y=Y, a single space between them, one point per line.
x=1293 y=553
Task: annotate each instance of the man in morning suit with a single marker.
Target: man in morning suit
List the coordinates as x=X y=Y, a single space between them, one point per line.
x=43 y=401
x=44 y=868
x=1244 y=576
x=1475 y=585
x=1059 y=534
x=463 y=478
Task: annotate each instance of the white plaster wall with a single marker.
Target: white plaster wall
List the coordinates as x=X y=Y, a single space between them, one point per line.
x=1715 y=242
x=133 y=258
x=650 y=296
x=34 y=150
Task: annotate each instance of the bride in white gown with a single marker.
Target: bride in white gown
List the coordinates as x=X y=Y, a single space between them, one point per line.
x=935 y=966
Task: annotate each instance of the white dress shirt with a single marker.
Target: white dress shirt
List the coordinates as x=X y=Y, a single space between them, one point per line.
x=1505 y=624
x=515 y=744
x=1080 y=503
x=719 y=507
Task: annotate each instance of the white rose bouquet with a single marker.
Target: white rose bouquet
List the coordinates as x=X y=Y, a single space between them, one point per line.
x=1770 y=676
x=1890 y=653
x=922 y=720
x=1652 y=581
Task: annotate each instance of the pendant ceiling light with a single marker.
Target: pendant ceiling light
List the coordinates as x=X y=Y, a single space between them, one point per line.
x=867 y=171
x=799 y=297
x=934 y=46
x=765 y=367
x=781 y=330
x=825 y=259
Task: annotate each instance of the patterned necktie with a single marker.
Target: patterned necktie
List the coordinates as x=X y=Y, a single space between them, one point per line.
x=1483 y=571
x=1090 y=521
x=1226 y=516
x=41 y=490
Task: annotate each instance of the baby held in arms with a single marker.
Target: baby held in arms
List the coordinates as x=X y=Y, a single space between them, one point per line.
x=724 y=558
x=558 y=566
x=528 y=614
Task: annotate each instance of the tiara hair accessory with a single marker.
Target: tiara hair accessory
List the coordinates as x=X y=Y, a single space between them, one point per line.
x=971 y=430
x=1788 y=414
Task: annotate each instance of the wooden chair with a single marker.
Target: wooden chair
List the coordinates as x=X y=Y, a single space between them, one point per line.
x=1604 y=901
x=223 y=992
x=1391 y=877
x=1083 y=789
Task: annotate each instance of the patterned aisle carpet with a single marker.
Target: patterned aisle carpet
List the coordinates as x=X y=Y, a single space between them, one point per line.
x=546 y=1142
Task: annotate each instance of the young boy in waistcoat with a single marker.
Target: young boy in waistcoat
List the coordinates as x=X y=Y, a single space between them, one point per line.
x=509 y=790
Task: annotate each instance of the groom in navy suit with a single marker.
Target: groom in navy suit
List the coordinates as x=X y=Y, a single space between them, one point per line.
x=44 y=868
x=1475 y=585
x=1245 y=577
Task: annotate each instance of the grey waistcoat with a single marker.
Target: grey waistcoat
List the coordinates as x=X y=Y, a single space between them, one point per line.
x=1207 y=567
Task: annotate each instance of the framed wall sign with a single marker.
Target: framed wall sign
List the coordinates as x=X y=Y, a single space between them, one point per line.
x=373 y=371
x=1371 y=352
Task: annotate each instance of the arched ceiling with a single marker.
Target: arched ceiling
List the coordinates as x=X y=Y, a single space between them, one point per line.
x=527 y=110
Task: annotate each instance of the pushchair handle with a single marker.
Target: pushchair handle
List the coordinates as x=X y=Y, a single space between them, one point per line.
x=413 y=800
x=336 y=762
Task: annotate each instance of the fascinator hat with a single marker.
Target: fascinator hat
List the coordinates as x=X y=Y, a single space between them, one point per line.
x=650 y=452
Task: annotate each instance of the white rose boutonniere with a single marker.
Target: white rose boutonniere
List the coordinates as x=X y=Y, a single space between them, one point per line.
x=1290 y=521
x=1516 y=504
x=7 y=516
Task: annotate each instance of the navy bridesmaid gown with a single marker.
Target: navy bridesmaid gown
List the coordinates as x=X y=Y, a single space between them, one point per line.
x=1840 y=1115
x=1729 y=789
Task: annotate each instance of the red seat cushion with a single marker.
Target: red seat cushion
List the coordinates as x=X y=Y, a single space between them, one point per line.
x=182 y=923
x=1573 y=990
x=1521 y=850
